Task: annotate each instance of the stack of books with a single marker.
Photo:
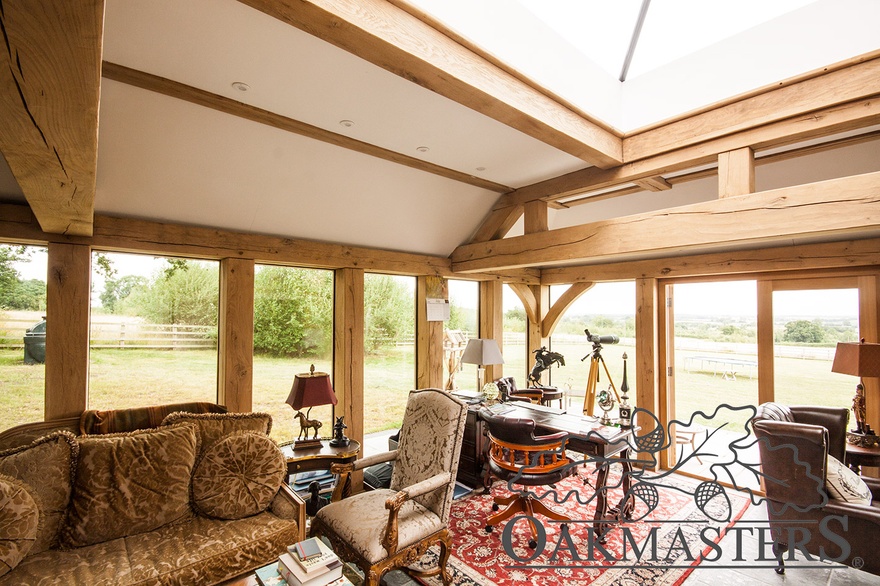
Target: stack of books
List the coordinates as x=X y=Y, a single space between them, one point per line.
x=306 y=563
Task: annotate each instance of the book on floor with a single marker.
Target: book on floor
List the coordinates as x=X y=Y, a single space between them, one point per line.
x=270 y=576
x=313 y=563
x=295 y=576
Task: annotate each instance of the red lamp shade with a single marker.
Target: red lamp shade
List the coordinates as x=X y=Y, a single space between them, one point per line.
x=857 y=358
x=311 y=389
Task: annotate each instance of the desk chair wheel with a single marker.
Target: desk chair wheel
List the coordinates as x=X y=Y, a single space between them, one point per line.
x=489 y=528
x=533 y=544
x=495 y=506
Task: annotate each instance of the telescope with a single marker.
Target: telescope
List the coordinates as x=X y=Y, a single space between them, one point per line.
x=601 y=339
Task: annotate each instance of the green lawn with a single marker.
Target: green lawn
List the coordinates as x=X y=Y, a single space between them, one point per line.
x=129 y=378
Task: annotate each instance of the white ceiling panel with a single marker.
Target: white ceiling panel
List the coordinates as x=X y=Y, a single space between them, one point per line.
x=165 y=159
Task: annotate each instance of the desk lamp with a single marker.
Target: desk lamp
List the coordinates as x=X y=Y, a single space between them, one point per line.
x=862 y=360
x=310 y=389
x=481 y=351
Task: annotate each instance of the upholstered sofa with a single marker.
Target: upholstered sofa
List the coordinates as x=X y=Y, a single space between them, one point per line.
x=197 y=500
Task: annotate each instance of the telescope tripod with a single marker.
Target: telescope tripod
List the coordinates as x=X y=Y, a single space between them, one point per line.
x=593 y=379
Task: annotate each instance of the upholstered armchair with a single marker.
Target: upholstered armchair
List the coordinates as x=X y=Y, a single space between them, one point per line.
x=388 y=528
x=517 y=455
x=795 y=444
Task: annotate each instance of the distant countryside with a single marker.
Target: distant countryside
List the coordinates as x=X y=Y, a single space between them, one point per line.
x=154 y=339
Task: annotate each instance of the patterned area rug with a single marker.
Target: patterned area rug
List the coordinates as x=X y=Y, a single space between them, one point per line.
x=678 y=527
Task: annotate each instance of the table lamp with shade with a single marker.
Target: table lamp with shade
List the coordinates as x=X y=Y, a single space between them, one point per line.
x=311 y=389
x=481 y=351
x=862 y=360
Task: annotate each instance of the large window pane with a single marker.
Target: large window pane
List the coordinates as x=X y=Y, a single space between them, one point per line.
x=293 y=329
x=515 y=323
x=463 y=324
x=806 y=328
x=715 y=353
x=22 y=354
x=153 y=331
x=606 y=309
x=389 y=348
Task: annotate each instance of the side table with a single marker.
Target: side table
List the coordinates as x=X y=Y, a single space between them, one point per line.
x=320 y=458
x=858 y=456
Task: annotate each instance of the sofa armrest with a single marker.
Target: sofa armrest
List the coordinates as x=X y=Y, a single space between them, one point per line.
x=289 y=505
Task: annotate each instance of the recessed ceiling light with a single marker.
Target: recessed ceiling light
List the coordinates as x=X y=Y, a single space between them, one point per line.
x=241 y=86
x=346 y=123
x=423 y=149
x=481 y=168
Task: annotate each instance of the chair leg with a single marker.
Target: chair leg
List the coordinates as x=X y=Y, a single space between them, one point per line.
x=779 y=550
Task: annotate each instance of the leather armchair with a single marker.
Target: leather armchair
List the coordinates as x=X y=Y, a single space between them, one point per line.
x=542 y=395
x=794 y=443
x=388 y=528
x=517 y=455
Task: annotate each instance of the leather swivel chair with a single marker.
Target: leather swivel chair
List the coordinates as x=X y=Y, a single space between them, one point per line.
x=517 y=455
x=797 y=500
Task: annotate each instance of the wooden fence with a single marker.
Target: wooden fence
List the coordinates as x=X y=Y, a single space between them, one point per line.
x=129 y=335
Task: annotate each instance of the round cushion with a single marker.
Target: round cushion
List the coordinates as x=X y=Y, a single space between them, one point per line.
x=19 y=517
x=238 y=476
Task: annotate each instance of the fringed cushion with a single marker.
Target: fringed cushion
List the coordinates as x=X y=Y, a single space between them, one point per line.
x=213 y=426
x=46 y=466
x=19 y=517
x=95 y=421
x=238 y=476
x=130 y=483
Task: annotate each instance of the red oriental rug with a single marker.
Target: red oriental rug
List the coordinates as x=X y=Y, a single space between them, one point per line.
x=672 y=538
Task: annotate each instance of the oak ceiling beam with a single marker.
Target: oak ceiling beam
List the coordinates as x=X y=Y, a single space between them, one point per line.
x=855 y=82
x=791 y=258
x=392 y=38
x=180 y=91
x=17 y=224
x=827 y=209
x=50 y=80
x=841 y=118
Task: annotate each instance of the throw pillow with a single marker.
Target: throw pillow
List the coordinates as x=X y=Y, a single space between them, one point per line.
x=19 y=517
x=130 y=483
x=46 y=466
x=213 y=426
x=845 y=485
x=238 y=476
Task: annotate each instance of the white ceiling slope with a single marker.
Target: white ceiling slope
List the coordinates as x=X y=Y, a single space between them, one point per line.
x=165 y=159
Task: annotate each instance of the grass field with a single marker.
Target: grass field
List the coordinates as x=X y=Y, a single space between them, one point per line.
x=129 y=378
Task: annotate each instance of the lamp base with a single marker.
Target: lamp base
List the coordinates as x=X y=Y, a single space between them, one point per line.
x=303 y=444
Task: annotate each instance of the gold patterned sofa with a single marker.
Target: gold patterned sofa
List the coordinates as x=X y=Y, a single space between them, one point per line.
x=198 y=499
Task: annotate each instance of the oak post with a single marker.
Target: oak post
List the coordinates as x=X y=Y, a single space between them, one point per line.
x=348 y=354
x=429 y=334
x=736 y=172
x=235 y=361
x=765 y=342
x=647 y=340
x=68 y=301
x=492 y=321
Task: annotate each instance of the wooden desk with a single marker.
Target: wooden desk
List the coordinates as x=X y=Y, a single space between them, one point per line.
x=320 y=458
x=606 y=445
x=858 y=456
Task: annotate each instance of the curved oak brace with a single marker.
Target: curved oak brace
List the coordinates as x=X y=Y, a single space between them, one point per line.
x=558 y=308
x=529 y=301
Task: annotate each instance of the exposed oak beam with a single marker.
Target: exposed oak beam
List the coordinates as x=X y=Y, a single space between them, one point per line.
x=807 y=126
x=550 y=321
x=856 y=82
x=50 y=73
x=846 y=254
x=17 y=224
x=181 y=91
x=656 y=183
x=391 y=38
x=498 y=223
x=834 y=209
